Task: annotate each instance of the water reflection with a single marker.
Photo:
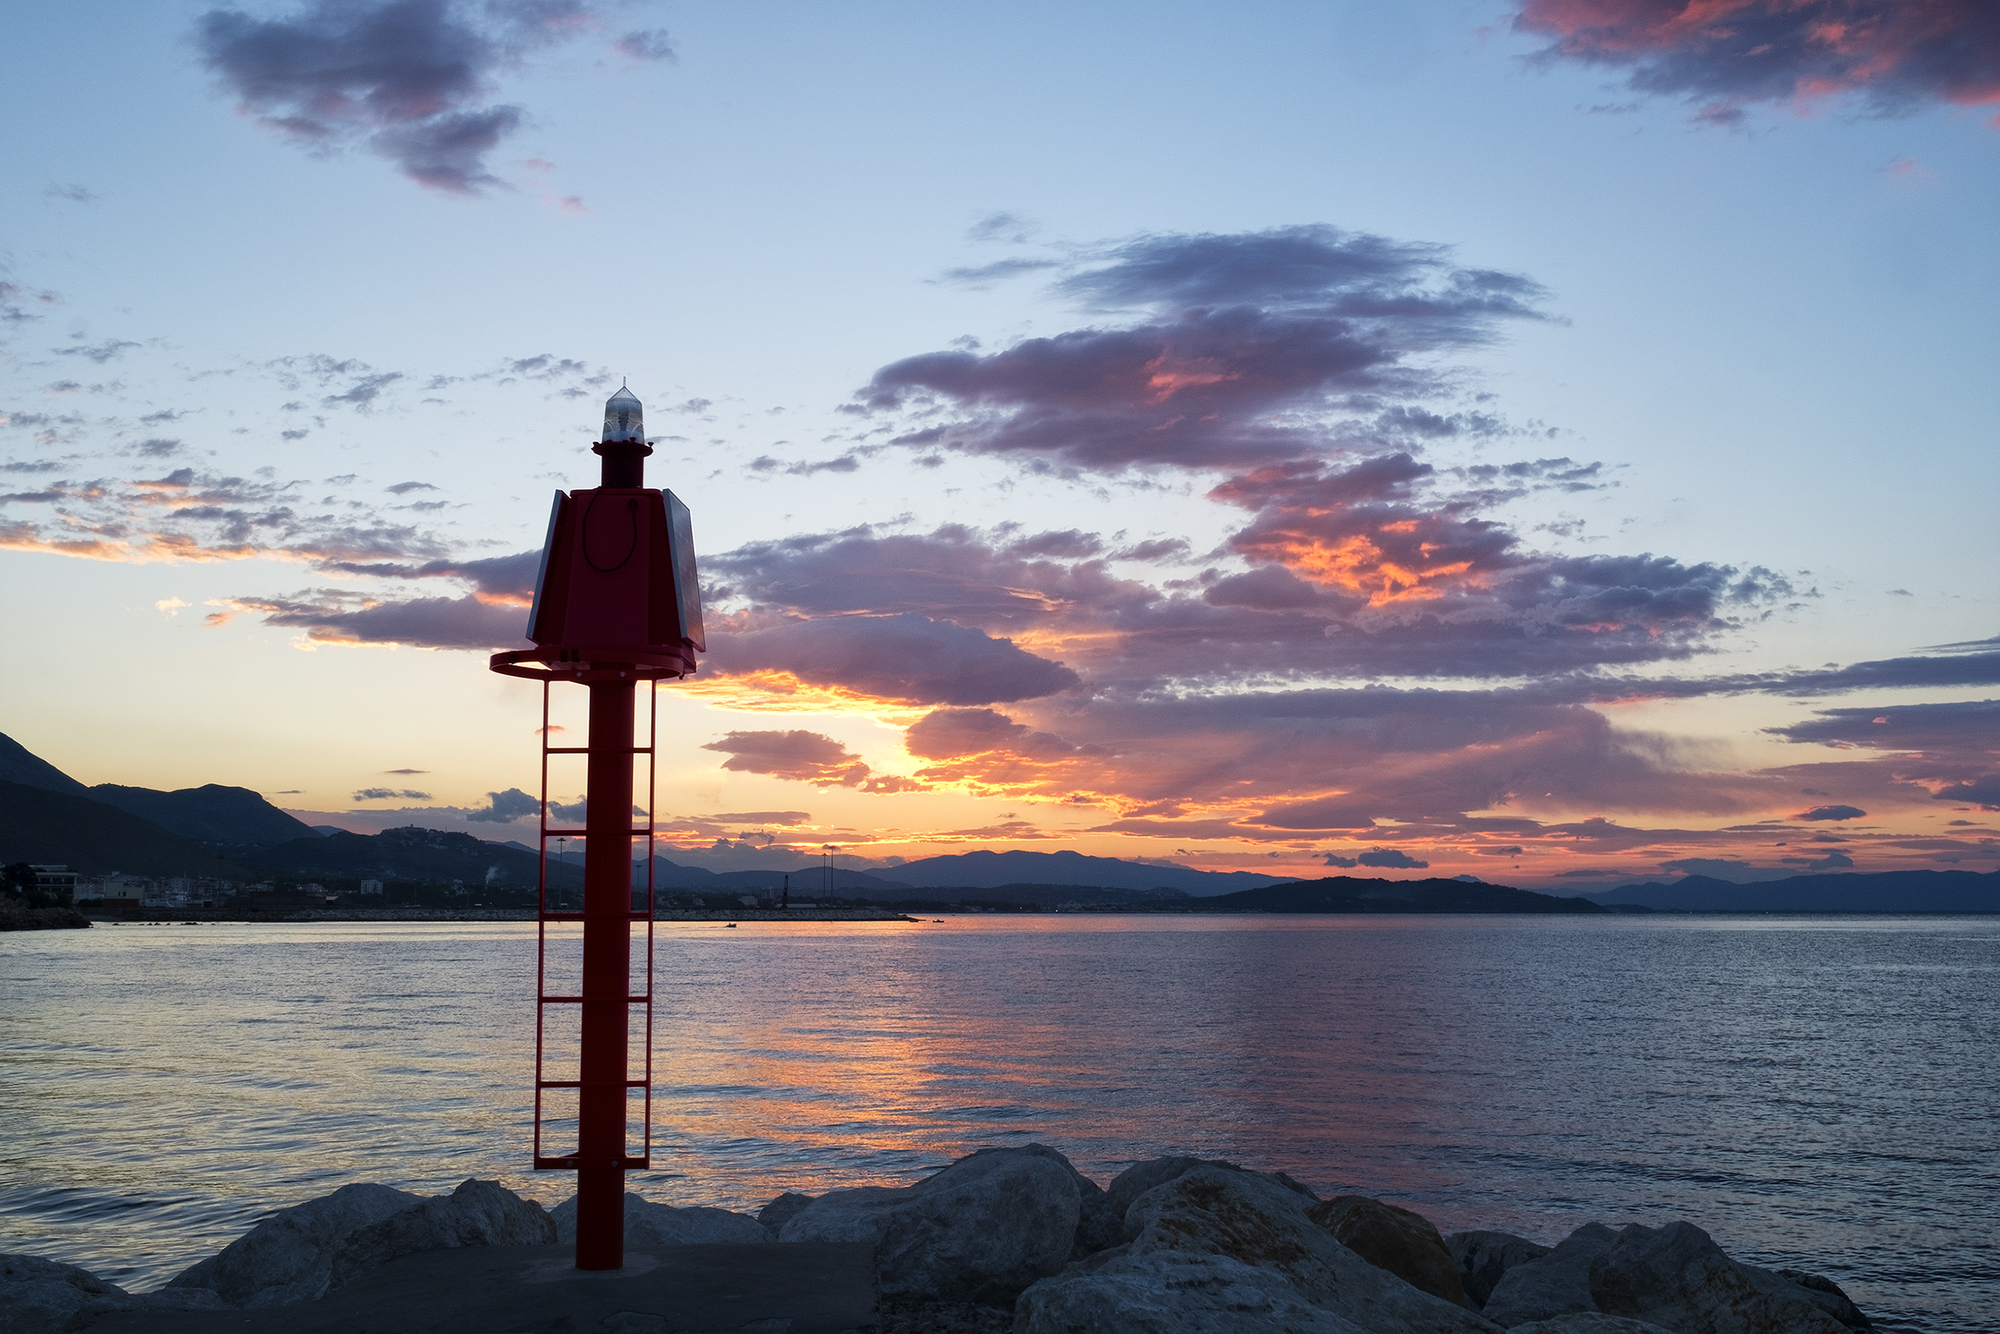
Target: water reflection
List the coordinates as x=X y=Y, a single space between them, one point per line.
x=1810 y=1090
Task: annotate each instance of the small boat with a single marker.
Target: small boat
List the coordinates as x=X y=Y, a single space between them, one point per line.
x=729 y=925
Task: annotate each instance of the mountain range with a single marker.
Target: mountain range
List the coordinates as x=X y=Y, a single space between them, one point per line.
x=233 y=833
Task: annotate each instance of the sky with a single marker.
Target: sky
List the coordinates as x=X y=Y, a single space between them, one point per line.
x=1551 y=442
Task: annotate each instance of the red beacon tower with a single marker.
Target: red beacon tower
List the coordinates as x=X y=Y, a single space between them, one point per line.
x=616 y=603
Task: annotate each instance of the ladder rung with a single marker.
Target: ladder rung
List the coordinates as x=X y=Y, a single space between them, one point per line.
x=589 y=1084
x=578 y=1000
x=598 y=750
x=572 y=1161
x=633 y=916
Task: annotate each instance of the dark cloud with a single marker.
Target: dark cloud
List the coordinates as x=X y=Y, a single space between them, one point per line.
x=1391 y=857
x=806 y=757
x=904 y=657
x=1727 y=55
x=1335 y=859
x=1243 y=349
x=408 y=79
x=1831 y=813
x=404 y=488
x=499 y=580
x=158 y=447
x=388 y=793
x=338 y=617
x=763 y=817
x=506 y=807
x=649 y=44
x=69 y=191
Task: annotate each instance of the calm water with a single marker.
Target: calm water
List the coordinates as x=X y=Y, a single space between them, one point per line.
x=1814 y=1092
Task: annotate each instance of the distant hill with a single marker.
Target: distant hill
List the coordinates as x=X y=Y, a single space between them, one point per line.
x=212 y=813
x=58 y=828
x=228 y=818
x=806 y=880
x=20 y=765
x=985 y=870
x=1884 y=891
x=1042 y=895
x=1352 y=894
x=410 y=853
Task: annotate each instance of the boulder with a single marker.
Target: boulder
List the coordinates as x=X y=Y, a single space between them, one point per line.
x=39 y=1296
x=979 y=1231
x=1172 y=1292
x=1098 y=1226
x=1259 y=1222
x=1828 y=1297
x=779 y=1211
x=288 y=1257
x=1676 y=1277
x=1557 y=1284
x=478 y=1213
x=1482 y=1257
x=650 y=1224
x=1395 y=1239
x=1587 y=1322
x=1139 y=1178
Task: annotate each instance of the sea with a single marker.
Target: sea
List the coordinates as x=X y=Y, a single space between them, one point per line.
x=1819 y=1093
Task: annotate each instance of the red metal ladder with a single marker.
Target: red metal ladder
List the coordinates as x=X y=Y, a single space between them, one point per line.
x=544 y=915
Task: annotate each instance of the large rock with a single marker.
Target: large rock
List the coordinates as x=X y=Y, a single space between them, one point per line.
x=1557 y=1284
x=1395 y=1239
x=289 y=1256
x=981 y=1230
x=1828 y=1297
x=780 y=1211
x=1098 y=1225
x=1139 y=1178
x=1587 y=1322
x=1172 y=1292
x=478 y=1213
x=650 y=1224
x=1257 y=1221
x=39 y=1296
x=1676 y=1277
x=1482 y=1257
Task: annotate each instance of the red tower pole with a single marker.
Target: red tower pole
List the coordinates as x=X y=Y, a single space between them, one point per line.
x=607 y=971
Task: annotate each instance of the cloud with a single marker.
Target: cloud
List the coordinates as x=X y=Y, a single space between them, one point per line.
x=107 y=350
x=1727 y=55
x=806 y=757
x=70 y=192
x=388 y=793
x=409 y=80
x=1735 y=871
x=1239 y=351
x=903 y=657
x=506 y=807
x=1335 y=859
x=763 y=817
x=335 y=616
x=406 y=771
x=652 y=44
x=1391 y=857
x=1002 y=227
x=1831 y=813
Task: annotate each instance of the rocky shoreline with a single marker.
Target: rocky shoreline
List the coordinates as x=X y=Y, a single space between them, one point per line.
x=1012 y=1239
